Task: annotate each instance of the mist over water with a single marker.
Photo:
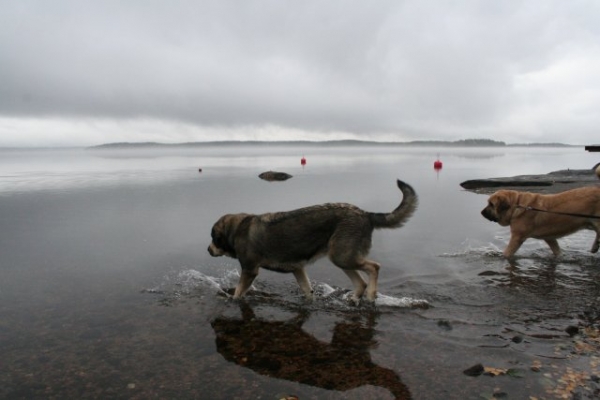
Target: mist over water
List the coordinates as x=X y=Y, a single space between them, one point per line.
x=108 y=290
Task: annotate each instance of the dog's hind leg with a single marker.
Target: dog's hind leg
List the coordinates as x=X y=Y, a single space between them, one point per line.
x=246 y=279
x=372 y=269
x=596 y=244
x=359 y=284
x=553 y=246
x=347 y=253
x=303 y=282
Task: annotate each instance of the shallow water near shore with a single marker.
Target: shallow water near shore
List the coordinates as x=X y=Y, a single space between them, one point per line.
x=108 y=290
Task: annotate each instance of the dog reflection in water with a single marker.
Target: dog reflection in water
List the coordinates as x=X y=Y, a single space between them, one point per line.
x=283 y=350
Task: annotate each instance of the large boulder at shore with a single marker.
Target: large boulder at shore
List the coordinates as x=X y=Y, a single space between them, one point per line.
x=274 y=176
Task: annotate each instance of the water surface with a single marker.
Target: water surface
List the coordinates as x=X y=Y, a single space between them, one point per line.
x=108 y=291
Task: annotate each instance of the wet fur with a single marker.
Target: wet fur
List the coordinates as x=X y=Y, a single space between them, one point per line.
x=288 y=241
x=507 y=208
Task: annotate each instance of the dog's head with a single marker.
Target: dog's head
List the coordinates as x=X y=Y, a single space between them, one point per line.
x=223 y=235
x=500 y=207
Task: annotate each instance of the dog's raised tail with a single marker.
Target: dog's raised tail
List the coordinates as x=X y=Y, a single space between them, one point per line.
x=401 y=214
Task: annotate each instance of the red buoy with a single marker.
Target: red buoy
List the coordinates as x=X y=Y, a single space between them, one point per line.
x=303 y=161
x=437 y=165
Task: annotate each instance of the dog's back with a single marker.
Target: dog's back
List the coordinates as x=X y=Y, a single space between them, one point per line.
x=303 y=235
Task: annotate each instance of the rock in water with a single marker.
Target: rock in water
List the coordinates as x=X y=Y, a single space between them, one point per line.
x=475 y=370
x=274 y=176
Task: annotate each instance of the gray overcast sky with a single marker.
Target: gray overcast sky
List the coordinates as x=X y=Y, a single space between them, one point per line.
x=91 y=72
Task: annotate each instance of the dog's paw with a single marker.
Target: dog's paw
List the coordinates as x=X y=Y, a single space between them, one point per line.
x=309 y=298
x=352 y=299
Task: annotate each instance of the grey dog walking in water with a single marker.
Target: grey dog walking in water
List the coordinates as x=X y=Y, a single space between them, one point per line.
x=288 y=241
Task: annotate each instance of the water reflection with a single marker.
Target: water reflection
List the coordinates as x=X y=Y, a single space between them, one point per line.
x=283 y=350
x=548 y=277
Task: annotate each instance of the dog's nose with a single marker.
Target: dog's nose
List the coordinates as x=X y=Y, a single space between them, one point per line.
x=488 y=215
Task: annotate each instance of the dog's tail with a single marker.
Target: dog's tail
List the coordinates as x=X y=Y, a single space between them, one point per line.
x=401 y=214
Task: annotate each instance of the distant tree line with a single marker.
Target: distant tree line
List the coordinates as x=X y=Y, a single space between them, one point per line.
x=479 y=142
x=456 y=143
x=461 y=143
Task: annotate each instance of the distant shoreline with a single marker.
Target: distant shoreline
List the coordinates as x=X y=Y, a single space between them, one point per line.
x=328 y=143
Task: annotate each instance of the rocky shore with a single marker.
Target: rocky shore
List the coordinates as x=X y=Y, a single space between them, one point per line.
x=553 y=182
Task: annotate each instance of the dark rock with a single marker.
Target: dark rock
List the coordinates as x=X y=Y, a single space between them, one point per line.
x=489 y=273
x=274 y=176
x=517 y=339
x=572 y=330
x=475 y=370
x=444 y=324
x=499 y=182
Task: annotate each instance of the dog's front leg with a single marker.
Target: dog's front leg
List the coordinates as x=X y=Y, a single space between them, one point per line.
x=303 y=282
x=246 y=279
x=513 y=245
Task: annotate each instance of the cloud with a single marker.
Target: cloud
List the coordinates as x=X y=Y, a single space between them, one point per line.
x=525 y=71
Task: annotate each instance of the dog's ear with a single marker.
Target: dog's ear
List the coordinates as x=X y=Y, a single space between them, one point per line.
x=498 y=202
x=223 y=232
x=503 y=205
x=235 y=226
x=505 y=199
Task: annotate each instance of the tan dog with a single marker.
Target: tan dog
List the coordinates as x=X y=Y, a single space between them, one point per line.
x=545 y=216
x=287 y=241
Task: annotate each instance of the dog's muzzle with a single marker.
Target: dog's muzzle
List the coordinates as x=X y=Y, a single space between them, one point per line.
x=211 y=250
x=488 y=215
x=215 y=251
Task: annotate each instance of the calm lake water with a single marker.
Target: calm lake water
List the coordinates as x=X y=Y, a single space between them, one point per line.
x=108 y=291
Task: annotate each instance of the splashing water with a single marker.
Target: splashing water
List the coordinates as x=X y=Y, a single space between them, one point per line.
x=188 y=281
x=192 y=279
x=469 y=248
x=574 y=249
x=401 y=302
x=344 y=297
